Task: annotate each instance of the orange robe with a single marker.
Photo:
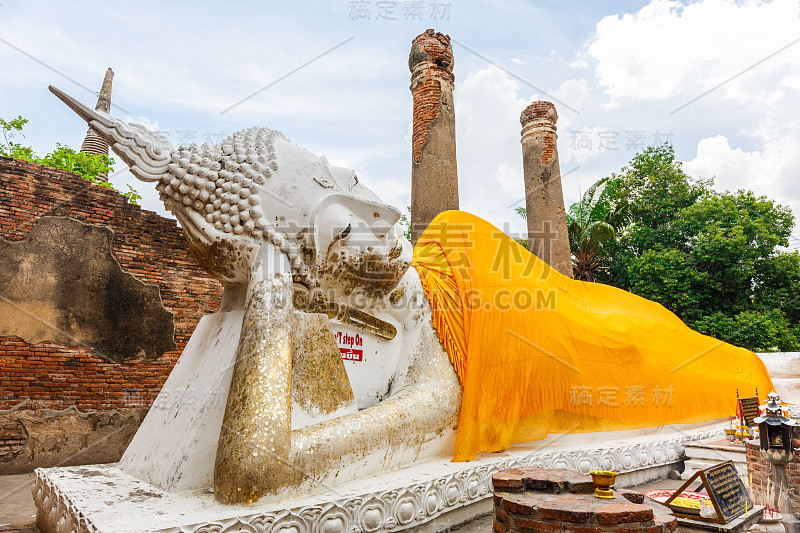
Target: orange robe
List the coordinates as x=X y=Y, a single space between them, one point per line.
x=537 y=352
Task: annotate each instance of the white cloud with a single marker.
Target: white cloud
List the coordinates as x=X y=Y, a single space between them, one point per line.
x=669 y=53
x=771 y=171
x=581 y=145
x=488 y=106
x=732 y=168
x=579 y=64
x=669 y=48
x=572 y=93
x=488 y=144
x=151 y=125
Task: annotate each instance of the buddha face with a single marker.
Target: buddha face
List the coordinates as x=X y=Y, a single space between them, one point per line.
x=322 y=217
x=362 y=255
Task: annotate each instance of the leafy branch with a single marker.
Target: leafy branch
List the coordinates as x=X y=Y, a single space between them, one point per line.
x=92 y=167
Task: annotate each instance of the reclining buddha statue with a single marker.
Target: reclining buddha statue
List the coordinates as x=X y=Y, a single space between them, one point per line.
x=466 y=344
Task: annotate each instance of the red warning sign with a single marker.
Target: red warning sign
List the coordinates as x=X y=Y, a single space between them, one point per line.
x=350 y=346
x=349 y=354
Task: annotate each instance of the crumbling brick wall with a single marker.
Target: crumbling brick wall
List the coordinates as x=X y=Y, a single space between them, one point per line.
x=147 y=245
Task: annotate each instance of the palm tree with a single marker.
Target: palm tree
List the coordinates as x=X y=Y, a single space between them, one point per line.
x=591 y=222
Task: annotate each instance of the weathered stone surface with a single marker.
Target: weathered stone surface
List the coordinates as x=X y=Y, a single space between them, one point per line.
x=319 y=379
x=544 y=197
x=560 y=480
x=565 y=509
x=434 y=176
x=623 y=513
x=70 y=437
x=565 y=505
x=532 y=478
x=63 y=284
x=631 y=496
x=518 y=504
x=509 y=480
x=539 y=526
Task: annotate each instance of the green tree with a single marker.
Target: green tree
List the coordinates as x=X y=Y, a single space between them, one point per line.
x=90 y=166
x=523 y=212
x=714 y=259
x=592 y=222
x=405 y=223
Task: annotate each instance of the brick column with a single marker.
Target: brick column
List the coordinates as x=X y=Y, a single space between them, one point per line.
x=544 y=199
x=434 y=180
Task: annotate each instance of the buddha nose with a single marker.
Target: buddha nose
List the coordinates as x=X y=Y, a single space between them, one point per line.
x=381 y=219
x=381 y=228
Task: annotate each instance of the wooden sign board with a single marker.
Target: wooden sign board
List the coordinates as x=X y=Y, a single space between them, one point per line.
x=725 y=489
x=748 y=407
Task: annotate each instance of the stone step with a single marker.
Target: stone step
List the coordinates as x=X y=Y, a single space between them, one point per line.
x=716 y=454
x=706 y=453
x=717 y=448
x=693 y=465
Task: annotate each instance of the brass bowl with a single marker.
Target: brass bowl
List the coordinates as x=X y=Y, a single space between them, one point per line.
x=603 y=480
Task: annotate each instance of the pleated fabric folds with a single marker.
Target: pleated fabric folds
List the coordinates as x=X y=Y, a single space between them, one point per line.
x=537 y=352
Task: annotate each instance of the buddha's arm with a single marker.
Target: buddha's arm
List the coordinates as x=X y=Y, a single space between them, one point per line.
x=422 y=412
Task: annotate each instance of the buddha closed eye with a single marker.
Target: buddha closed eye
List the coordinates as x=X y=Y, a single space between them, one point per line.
x=361 y=255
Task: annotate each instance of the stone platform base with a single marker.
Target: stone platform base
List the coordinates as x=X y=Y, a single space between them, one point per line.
x=432 y=496
x=563 y=501
x=703 y=454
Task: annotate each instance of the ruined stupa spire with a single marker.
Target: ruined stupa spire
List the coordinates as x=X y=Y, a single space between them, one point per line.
x=93 y=143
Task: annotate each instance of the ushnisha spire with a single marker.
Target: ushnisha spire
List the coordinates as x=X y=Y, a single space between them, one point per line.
x=434 y=180
x=544 y=198
x=93 y=143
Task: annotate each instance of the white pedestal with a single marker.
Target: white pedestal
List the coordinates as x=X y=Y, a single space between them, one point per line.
x=433 y=494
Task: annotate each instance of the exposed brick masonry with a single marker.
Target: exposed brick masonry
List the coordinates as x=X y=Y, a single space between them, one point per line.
x=543 y=111
x=533 y=500
x=149 y=246
x=434 y=176
x=427 y=96
x=433 y=66
x=544 y=198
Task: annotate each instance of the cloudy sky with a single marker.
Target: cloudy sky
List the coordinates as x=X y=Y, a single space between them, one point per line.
x=719 y=79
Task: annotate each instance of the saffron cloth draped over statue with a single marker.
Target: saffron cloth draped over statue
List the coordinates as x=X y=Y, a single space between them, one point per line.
x=537 y=352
